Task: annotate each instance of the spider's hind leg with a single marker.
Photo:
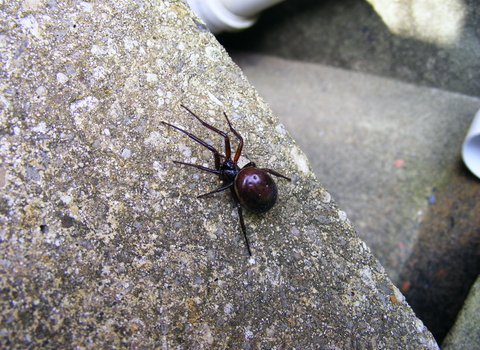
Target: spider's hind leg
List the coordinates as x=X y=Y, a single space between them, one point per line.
x=273 y=172
x=244 y=230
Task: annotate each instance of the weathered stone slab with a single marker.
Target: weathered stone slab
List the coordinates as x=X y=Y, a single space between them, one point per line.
x=103 y=242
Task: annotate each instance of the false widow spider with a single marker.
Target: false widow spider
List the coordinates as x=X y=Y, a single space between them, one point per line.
x=252 y=188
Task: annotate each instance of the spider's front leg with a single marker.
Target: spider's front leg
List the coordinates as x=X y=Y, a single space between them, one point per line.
x=220 y=132
x=216 y=154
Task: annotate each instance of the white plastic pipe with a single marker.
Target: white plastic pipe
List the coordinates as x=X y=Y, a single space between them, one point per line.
x=471 y=147
x=229 y=15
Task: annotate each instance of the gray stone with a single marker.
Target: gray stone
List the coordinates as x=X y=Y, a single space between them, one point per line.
x=465 y=334
x=379 y=145
x=103 y=242
x=422 y=42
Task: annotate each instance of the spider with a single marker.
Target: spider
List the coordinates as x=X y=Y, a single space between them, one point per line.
x=252 y=188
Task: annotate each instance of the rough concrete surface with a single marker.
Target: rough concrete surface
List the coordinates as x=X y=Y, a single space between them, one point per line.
x=465 y=335
x=424 y=229
x=103 y=242
x=382 y=147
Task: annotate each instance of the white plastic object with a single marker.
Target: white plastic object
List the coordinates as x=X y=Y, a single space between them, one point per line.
x=229 y=15
x=471 y=147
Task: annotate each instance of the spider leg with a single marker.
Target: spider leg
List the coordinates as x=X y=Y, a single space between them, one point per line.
x=200 y=141
x=238 y=152
x=199 y=167
x=273 y=172
x=220 y=189
x=218 y=172
x=220 y=132
x=244 y=230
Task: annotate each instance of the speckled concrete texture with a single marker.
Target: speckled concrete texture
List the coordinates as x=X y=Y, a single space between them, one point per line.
x=384 y=149
x=103 y=242
x=389 y=153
